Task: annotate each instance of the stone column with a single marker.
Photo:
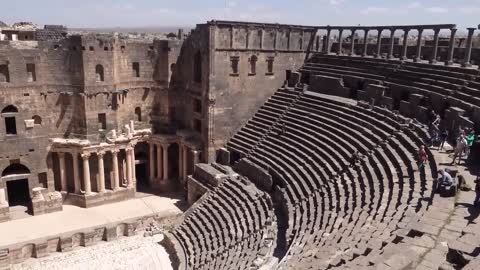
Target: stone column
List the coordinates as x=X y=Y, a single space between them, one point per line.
x=405 y=45
x=379 y=43
x=76 y=175
x=151 y=161
x=101 y=172
x=185 y=162
x=86 y=174
x=196 y=157
x=340 y=41
x=327 y=42
x=365 y=43
x=468 y=49
x=433 y=60
x=63 y=177
x=180 y=161
x=418 y=57
x=352 y=45
x=159 y=162
x=129 y=167
x=134 y=168
x=3 y=201
x=116 y=173
x=451 y=48
x=165 y=161
x=391 y=45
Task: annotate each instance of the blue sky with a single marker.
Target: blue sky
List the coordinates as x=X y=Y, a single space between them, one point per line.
x=137 y=13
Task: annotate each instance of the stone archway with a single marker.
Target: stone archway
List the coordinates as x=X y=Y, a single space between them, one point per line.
x=16 y=178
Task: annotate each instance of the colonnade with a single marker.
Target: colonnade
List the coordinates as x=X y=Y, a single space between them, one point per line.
x=160 y=161
x=158 y=166
x=406 y=30
x=85 y=159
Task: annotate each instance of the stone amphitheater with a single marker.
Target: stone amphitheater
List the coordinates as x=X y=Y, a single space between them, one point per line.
x=295 y=147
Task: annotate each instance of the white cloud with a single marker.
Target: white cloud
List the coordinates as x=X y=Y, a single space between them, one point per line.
x=374 y=10
x=232 y=4
x=336 y=2
x=469 y=10
x=414 y=5
x=436 y=10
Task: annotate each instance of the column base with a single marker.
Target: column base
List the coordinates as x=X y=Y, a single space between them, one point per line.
x=4 y=212
x=448 y=63
x=165 y=185
x=432 y=61
x=417 y=60
x=466 y=65
x=96 y=199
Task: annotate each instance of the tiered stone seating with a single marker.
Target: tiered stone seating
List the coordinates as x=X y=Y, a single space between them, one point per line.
x=460 y=85
x=228 y=229
x=335 y=213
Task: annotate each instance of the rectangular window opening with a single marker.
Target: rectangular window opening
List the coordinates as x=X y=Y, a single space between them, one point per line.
x=10 y=125
x=197 y=125
x=102 y=121
x=136 y=69
x=31 y=74
x=197 y=106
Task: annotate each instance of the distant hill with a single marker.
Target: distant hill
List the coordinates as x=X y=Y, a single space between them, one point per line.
x=147 y=29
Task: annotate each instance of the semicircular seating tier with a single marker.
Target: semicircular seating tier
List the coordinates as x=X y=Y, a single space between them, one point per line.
x=436 y=86
x=229 y=228
x=339 y=214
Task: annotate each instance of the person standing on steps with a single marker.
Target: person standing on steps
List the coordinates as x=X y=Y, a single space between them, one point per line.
x=422 y=157
x=459 y=148
x=443 y=138
x=476 y=202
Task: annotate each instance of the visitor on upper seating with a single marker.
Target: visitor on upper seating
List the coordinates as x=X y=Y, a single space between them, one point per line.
x=443 y=138
x=459 y=148
x=476 y=202
x=445 y=178
x=434 y=135
x=354 y=159
x=470 y=138
x=436 y=120
x=422 y=157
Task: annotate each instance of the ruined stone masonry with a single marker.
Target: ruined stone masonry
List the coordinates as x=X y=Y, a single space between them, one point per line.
x=256 y=124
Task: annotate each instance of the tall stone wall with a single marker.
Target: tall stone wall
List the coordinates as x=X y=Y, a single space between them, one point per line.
x=235 y=96
x=61 y=95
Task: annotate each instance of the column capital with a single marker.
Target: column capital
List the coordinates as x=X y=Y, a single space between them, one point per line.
x=61 y=154
x=165 y=145
x=101 y=153
x=85 y=156
x=115 y=151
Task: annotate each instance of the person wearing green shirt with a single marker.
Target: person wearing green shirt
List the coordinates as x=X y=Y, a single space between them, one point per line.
x=470 y=139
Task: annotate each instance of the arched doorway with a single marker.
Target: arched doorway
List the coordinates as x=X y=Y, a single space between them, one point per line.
x=17 y=189
x=141 y=166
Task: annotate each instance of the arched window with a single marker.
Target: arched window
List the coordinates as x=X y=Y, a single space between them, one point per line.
x=37 y=120
x=10 y=109
x=99 y=74
x=15 y=168
x=138 y=113
x=197 y=67
x=253 y=65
